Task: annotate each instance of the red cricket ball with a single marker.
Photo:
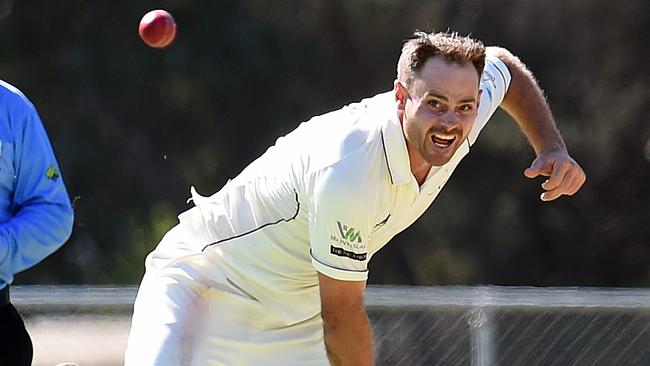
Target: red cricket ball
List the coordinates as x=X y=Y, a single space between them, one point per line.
x=157 y=28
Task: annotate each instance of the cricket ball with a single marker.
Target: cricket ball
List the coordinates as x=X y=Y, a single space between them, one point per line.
x=157 y=28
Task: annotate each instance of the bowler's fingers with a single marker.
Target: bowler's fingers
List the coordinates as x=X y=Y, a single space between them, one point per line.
x=566 y=180
x=558 y=174
x=539 y=167
x=579 y=179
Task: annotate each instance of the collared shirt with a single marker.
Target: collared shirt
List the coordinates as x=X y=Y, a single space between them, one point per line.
x=35 y=211
x=324 y=198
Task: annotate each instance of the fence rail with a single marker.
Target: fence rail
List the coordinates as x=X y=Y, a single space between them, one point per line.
x=474 y=326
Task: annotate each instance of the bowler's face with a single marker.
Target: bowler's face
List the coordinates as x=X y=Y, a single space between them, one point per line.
x=438 y=111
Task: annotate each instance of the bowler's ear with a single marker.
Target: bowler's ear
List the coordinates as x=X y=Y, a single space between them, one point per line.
x=401 y=94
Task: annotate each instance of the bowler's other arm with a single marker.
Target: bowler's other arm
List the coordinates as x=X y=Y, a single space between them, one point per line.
x=526 y=103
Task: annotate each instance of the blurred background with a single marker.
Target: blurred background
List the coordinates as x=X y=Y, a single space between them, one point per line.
x=133 y=127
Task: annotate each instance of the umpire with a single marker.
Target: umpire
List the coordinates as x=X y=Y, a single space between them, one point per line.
x=35 y=211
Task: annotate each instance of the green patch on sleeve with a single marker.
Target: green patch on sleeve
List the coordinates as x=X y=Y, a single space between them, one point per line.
x=52 y=173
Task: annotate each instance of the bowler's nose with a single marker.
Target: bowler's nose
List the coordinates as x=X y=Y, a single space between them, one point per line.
x=449 y=120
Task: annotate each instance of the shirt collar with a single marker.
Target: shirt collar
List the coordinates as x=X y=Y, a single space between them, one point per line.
x=392 y=136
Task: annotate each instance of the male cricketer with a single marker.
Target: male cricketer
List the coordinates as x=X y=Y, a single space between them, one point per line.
x=271 y=269
x=35 y=211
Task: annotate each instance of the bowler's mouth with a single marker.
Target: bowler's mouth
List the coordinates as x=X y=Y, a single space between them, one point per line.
x=442 y=140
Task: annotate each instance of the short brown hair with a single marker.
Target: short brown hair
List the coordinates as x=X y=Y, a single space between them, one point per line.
x=453 y=47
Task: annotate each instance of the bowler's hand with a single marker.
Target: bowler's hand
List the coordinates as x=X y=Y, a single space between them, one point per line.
x=565 y=175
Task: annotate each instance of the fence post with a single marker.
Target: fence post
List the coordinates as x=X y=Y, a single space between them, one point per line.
x=480 y=326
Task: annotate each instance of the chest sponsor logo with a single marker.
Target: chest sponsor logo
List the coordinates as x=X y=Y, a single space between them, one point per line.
x=346 y=253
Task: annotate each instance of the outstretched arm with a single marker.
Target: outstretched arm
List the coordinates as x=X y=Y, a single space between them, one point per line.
x=526 y=103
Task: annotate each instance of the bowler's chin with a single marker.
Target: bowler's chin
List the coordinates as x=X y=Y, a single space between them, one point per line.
x=440 y=158
x=438 y=163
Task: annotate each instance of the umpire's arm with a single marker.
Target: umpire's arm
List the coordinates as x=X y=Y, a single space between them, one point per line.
x=345 y=322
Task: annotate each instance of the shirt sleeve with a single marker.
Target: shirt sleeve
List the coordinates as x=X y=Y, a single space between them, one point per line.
x=339 y=226
x=41 y=213
x=494 y=86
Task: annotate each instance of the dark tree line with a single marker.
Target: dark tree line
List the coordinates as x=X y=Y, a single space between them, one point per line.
x=134 y=127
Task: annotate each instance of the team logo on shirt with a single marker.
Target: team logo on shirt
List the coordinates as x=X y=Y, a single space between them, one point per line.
x=349 y=233
x=349 y=238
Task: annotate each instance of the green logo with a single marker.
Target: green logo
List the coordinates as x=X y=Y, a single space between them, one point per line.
x=52 y=173
x=349 y=233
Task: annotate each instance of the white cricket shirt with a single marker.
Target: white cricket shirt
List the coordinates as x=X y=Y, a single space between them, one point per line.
x=324 y=198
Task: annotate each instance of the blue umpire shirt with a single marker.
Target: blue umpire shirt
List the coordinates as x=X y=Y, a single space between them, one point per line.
x=35 y=211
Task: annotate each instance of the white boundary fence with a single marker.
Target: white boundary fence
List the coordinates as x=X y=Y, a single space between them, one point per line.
x=473 y=326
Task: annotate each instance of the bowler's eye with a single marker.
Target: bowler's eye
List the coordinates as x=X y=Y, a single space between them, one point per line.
x=466 y=108
x=434 y=103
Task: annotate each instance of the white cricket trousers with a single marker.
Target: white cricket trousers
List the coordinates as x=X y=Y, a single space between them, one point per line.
x=187 y=313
